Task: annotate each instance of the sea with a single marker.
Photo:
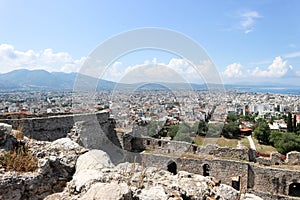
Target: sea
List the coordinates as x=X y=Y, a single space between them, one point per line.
x=271 y=90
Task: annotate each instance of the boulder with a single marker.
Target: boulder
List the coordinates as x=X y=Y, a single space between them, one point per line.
x=156 y=192
x=94 y=159
x=88 y=169
x=248 y=196
x=104 y=191
x=5 y=130
x=65 y=144
x=227 y=192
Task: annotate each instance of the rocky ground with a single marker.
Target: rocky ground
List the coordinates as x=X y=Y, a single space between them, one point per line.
x=68 y=171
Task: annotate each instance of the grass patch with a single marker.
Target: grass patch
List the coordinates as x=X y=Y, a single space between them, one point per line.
x=245 y=142
x=20 y=160
x=263 y=148
x=224 y=142
x=198 y=140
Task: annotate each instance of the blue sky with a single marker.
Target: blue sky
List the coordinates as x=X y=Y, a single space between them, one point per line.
x=248 y=41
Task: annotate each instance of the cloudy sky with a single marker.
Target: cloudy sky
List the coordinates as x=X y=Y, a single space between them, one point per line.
x=249 y=41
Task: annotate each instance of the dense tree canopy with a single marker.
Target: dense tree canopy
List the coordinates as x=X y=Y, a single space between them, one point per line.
x=182 y=132
x=262 y=132
x=153 y=128
x=289 y=123
x=285 y=142
x=231 y=130
x=201 y=128
x=232 y=118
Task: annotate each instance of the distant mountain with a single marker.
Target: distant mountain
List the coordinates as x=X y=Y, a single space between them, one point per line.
x=24 y=79
x=43 y=80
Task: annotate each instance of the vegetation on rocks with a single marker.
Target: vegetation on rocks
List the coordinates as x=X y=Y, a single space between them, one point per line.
x=21 y=160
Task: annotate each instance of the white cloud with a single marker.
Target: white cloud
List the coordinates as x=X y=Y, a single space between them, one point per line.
x=292 y=55
x=233 y=70
x=176 y=70
x=277 y=69
x=11 y=59
x=247 y=20
x=113 y=72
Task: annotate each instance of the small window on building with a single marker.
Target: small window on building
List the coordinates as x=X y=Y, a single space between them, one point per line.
x=148 y=142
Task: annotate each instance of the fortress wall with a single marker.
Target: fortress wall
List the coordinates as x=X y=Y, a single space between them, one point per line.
x=293 y=158
x=178 y=148
x=272 y=180
x=54 y=127
x=166 y=146
x=220 y=169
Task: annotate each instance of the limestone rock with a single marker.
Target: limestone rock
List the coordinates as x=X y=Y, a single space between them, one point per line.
x=248 y=196
x=57 y=196
x=227 y=192
x=5 y=130
x=105 y=191
x=66 y=144
x=94 y=160
x=88 y=168
x=156 y=192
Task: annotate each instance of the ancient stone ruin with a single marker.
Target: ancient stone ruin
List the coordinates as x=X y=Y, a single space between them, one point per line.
x=135 y=166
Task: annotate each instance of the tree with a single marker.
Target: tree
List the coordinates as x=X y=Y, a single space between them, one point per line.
x=202 y=128
x=285 y=142
x=153 y=128
x=250 y=118
x=173 y=131
x=232 y=118
x=272 y=119
x=295 y=123
x=181 y=136
x=214 y=130
x=262 y=132
x=289 y=122
x=231 y=130
x=184 y=133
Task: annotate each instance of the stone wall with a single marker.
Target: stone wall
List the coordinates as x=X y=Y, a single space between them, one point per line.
x=273 y=183
x=274 y=159
x=220 y=169
x=272 y=180
x=54 y=127
x=293 y=158
x=140 y=143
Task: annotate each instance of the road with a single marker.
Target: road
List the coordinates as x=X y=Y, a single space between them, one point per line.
x=252 y=145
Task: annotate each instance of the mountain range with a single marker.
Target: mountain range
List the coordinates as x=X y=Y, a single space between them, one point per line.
x=24 y=79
